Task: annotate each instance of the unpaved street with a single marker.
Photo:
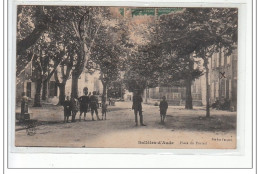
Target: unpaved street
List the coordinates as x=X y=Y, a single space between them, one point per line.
x=183 y=129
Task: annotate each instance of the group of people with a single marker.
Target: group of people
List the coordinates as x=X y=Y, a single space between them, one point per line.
x=83 y=104
x=137 y=107
x=90 y=102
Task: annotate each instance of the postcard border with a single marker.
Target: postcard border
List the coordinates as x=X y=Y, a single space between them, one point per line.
x=74 y=168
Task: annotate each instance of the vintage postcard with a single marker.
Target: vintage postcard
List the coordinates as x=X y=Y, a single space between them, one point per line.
x=126 y=77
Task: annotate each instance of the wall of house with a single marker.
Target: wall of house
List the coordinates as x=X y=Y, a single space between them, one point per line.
x=26 y=84
x=177 y=95
x=223 y=77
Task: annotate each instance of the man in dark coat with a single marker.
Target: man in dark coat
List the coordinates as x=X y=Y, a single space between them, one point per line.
x=163 y=108
x=137 y=107
x=93 y=104
x=84 y=103
x=67 y=109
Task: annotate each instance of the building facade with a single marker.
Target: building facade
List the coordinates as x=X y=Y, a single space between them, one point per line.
x=25 y=82
x=223 y=77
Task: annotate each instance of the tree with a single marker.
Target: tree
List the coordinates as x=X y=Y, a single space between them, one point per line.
x=48 y=56
x=116 y=89
x=27 y=17
x=32 y=23
x=218 y=30
x=205 y=31
x=179 y=71
x=142 y=70
x=107 y=53
x=62 y=75
x=178 y=49
x=85 y=24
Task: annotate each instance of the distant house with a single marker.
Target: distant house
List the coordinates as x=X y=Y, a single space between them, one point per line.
x=86 y=80
x=26 y=83
x=176 y=95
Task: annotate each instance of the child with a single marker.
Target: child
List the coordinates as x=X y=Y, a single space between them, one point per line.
x=67 y=109
x=94 y=106
x=163 y=108
x=74 y=108
x=84 y=103
x=104 y=110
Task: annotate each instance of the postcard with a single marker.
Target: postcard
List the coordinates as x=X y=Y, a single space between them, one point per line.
x=126 y=77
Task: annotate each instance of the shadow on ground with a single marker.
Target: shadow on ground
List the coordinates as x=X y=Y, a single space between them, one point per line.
x=200 y=123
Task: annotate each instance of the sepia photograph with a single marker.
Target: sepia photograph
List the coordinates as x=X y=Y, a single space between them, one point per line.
x=126 y=77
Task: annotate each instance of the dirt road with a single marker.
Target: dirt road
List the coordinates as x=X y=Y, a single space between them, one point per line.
x=183 y=129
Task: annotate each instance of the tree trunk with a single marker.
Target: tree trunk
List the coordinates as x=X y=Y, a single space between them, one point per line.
x=188 y=102
x=41 y=25
x=37 y=98
x=104 y=97
x=146 y=95
x=62 y=93
x=30 y=40
x=207 y=88
x=44 y=89
x=74 y=86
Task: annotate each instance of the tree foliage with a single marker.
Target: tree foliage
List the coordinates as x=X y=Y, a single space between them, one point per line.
x=201 y=31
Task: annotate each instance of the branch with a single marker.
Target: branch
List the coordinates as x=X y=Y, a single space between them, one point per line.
x=80 y=22
x=75 y=29
x=66 y=76
x=39 y=65
x=33 y=37
x=92 y=42
x=32 y=58
x=62 y=71
x=56 y=64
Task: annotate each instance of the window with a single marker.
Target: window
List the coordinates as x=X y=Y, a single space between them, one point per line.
x=222 y=58
x=222 y=85
x=176 y=95
x=213 y=90
x=53 y=89
x=228 y=60
x=217 y=60
x=214 y=61
x=227 y=89
x=217 y=89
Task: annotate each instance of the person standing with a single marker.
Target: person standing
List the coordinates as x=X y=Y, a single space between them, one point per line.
x=94 y=106
x=84 y=103
x=137 y=107
x=74 y=108
x=109 y=101
x=24 y=105
x=67 y=109
x=163 y=108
